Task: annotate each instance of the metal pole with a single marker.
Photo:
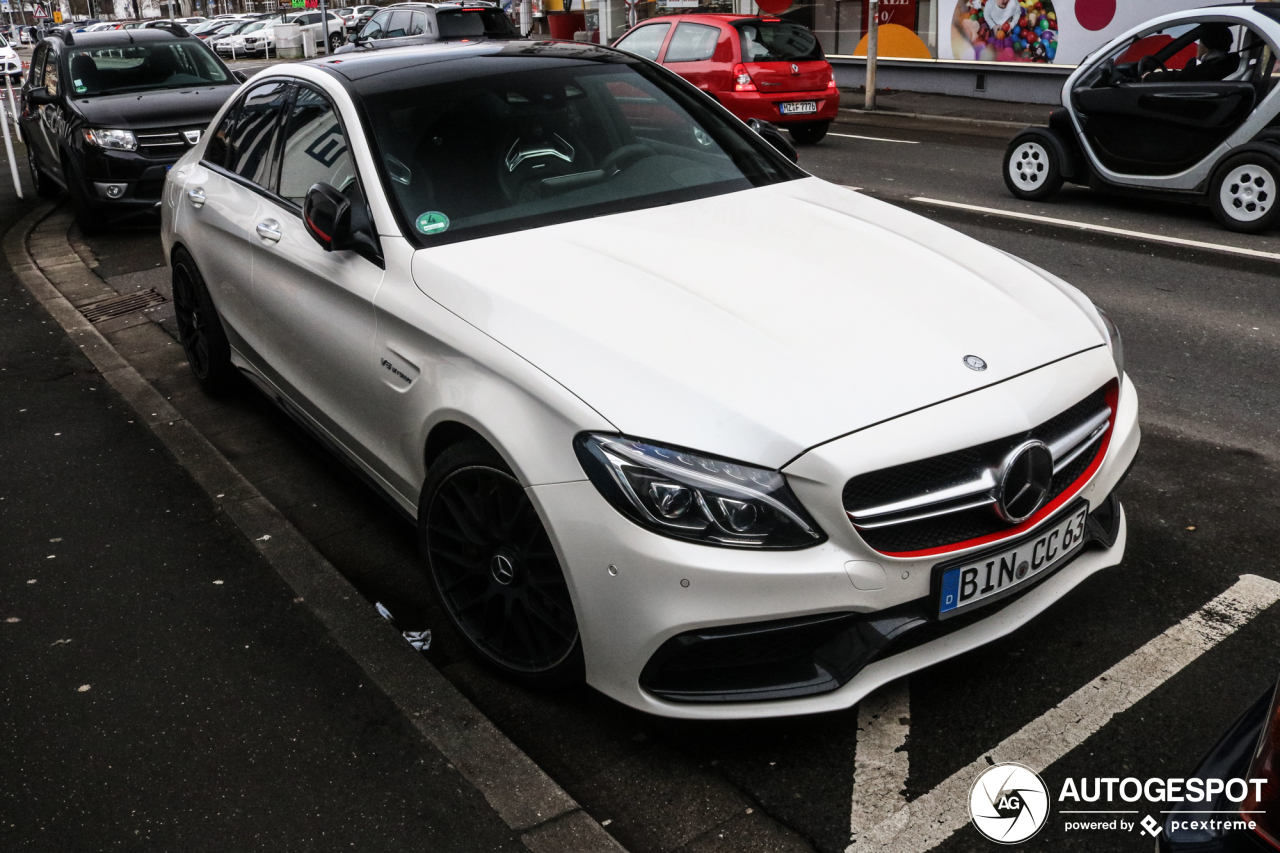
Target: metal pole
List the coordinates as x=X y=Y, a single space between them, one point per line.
x=873 y=48
x=13 y=108
x=526 y=17
x=324 y=25
x=8 y=147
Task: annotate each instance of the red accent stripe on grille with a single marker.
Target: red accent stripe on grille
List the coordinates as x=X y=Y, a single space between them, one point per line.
x=1112 y=397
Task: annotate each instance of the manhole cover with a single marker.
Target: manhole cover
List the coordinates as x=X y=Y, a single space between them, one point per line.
x=118 y=306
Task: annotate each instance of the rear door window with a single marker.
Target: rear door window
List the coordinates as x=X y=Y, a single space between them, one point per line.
x=692 y=43
x=252 y=141
x=646 y=41
x=777 y=41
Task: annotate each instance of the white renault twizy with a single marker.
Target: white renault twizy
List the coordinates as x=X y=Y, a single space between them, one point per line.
x=1184 y=105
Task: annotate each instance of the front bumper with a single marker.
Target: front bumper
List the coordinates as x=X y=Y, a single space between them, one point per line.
x=662 y=588
x=141 y=175
x=749 y=105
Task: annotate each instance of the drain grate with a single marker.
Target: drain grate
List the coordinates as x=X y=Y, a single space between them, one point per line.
x=118 y=306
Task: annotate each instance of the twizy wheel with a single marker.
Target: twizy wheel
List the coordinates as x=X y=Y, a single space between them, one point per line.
x=1032 y=169
x=494 y=568
x=1243 y=192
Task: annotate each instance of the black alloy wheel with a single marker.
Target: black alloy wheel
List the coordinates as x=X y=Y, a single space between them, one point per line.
x=199 y=329
x=45 y=187
x=809 y=133
x=495 y=570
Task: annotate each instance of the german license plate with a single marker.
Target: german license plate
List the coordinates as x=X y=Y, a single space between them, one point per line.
x=983 y=578
x=791 y=108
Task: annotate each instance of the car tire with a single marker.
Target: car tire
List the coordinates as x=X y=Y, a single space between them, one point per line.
x=1243 y=192
x=494 y=569
x=200 y=329
x=809 y=133
x=44 y=185
x=335 y=42
x=1032 y=167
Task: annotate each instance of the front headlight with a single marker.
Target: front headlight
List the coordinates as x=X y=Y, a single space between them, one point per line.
x=694 y=497
x=1113 y=340
x=112 y=140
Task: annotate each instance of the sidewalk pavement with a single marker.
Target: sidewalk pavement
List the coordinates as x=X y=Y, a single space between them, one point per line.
x=162 y=688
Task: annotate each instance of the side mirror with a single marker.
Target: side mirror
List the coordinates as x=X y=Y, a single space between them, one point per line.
x=338 y=225
x=769 y=133
x=39 y=96
x=326 y=213
x=240 y=75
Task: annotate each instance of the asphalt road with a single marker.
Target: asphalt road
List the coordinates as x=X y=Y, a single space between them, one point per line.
x=1201 y=342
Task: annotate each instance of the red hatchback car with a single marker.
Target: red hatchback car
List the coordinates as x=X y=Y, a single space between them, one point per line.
x=764 y=68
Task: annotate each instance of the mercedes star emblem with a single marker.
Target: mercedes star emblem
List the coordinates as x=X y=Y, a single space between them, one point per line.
x=974 y=363
x=503 y=570
x=1024 y=481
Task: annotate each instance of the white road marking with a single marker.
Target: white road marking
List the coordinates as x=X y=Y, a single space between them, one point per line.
x=874 y=138
x=1105 y=229
x=880 y=762
x=855 y=189
x=927 y=822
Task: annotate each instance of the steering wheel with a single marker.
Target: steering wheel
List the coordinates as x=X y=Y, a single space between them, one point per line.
x=624 y=158
x=1150 y=63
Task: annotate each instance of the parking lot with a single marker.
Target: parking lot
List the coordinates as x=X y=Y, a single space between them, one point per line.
x=1202 y=336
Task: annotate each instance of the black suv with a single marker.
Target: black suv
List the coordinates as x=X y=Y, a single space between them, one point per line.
x=106 y=114
x=425 y=23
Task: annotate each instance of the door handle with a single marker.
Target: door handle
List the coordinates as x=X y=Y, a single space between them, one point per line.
x=269 y=230
x=196 y=197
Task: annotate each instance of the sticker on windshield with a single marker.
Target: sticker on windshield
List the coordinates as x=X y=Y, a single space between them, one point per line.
x=433 y=222
x=80 y=87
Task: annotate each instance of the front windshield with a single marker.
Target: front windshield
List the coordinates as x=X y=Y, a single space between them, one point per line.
x=555 y=142
x=143 y=67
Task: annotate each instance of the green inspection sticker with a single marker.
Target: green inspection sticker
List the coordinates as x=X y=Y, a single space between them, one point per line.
x=433 y=222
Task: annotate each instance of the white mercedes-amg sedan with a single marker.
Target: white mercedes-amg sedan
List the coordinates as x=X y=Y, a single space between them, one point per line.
x=670 y=414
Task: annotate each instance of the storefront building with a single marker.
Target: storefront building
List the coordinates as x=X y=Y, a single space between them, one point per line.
x=1002 y=49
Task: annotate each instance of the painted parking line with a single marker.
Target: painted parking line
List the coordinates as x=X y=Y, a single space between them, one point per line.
x=880 y=761
x=874 y=138
x=927 y=822
x=1104 y=229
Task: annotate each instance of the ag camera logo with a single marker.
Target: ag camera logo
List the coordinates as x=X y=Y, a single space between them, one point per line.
x=1008 y=803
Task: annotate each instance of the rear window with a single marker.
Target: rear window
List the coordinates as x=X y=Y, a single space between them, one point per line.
x=474 y=23
x=777 y=41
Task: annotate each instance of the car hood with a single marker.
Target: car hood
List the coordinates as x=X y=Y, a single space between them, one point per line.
x=758 y=324
x=167 y=108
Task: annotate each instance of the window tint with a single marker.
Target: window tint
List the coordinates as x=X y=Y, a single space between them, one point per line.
x=692 y=43
x=460 y=24
x=778 y=41
x=646 y=41
x=253 y=137
x=315 y=149
x=418 y=24
x=215 y=150
x=51 y=71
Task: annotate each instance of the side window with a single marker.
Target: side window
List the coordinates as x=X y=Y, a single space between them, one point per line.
x=399 y=25
x=51 y=71
x=418 y=24
x=646 y=41
x=315 y=149
x=692 y=43
x=377 y=26
x=37 y=66
x=215 y=150
x=253 y=137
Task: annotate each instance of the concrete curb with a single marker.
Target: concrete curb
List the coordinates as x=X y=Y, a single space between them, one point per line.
x=522 y=794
